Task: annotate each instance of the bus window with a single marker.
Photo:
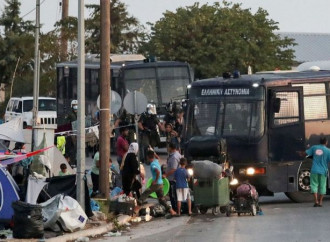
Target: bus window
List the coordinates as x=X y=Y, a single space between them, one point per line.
x=173 y=82
x=144 y=81
x=204 y=118
x=315 y=102
x=289 y=111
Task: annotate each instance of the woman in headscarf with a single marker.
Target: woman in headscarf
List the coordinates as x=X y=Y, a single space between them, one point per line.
x=130 y=170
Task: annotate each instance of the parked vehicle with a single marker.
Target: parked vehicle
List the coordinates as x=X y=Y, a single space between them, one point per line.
x=22 y=107
x=266 y=118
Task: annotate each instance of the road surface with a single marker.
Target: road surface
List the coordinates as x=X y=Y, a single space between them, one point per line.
x=282 y=221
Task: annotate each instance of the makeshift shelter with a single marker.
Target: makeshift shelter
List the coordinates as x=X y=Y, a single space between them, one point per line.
x=12 y=130
x=8 y=195
x=65 y=185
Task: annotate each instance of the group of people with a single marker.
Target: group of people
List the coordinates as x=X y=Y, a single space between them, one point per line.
x=127 y=157
x=132 y=173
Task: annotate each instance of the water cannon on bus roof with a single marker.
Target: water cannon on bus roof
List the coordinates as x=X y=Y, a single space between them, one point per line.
x=150 y=58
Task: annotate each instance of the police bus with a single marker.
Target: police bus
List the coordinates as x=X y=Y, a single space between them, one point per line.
x=160 y=81
x=266 y=119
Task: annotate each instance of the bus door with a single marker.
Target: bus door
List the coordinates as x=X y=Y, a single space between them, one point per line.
x=286 y=136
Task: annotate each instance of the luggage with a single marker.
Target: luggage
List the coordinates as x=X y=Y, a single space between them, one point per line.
x=126 y=207
x=247 y=190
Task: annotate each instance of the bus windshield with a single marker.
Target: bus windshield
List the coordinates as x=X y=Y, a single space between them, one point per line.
x=173 y=82
x=44 y=105
x=168 y=82
x=240 y=119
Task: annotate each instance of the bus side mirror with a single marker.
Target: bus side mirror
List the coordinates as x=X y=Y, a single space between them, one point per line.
x=277 y=105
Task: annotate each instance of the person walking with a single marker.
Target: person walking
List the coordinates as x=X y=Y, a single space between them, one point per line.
x=173 y=161
x=157 y=184
x=130 y=170
x=319 y=170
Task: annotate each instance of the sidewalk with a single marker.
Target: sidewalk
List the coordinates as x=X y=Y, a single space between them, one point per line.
x=92 y=232
x=103 y=227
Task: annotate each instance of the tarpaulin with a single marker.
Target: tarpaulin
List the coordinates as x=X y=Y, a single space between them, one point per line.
x=64 y=185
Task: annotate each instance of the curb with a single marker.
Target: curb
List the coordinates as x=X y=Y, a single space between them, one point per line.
x=123 y=219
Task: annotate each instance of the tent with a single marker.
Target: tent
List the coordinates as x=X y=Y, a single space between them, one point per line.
x=65 y=185
x=12 y=130
x=8 y=195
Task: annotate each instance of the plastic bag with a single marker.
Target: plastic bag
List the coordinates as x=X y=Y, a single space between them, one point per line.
x=95 y=205
x=206 y=169
x=51 y=213
x=72 y=215
x=27 y=221
x=66 y=211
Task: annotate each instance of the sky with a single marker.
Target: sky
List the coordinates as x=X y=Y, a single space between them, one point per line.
x=292 y=15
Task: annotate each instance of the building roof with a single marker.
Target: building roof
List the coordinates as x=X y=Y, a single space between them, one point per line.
x=310 y=46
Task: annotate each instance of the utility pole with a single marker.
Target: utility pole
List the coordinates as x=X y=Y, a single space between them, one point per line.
x=36 y=75
x=81 y=106
x=64 y=41
x=105 y=99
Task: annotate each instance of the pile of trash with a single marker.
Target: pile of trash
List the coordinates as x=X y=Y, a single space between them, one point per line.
x=57 y=214
x=207 y=169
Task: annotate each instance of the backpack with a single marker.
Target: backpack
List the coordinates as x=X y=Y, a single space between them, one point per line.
x=157 y=211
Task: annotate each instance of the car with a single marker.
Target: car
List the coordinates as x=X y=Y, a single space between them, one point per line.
x=22 y=107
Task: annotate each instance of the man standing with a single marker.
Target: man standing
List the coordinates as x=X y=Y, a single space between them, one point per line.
x=122 y=144
x=173 y=162
x=318 y=178
x=157 y=183
x=148 y=123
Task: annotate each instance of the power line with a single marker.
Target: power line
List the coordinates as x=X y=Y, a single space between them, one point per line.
x=32 y=10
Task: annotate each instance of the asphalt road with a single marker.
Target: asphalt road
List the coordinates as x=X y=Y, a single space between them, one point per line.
x=282 y=221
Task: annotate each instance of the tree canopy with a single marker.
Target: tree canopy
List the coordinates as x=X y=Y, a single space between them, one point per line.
x=218 y=38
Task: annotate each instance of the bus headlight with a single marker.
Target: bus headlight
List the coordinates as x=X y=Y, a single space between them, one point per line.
x=250 y=171
x=190 y=171
x=233 y=182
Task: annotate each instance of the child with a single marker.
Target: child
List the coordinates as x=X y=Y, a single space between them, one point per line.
x=171 y=135
x=64 y=170
x=182 y=188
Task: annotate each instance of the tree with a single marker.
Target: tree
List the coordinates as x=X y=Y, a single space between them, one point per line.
x=16 y=42
x=125 y=30
x=219 y=38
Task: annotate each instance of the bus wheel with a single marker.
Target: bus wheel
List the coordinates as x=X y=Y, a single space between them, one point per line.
x=303 y=195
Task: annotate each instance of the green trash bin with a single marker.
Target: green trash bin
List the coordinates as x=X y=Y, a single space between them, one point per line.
x=211 y=192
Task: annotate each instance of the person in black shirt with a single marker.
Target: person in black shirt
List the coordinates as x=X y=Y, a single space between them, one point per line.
x=149 y=136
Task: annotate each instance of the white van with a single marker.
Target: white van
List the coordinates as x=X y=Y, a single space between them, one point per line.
x=22 y=107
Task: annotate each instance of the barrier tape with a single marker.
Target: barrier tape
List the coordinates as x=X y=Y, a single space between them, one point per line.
x=18 y=158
